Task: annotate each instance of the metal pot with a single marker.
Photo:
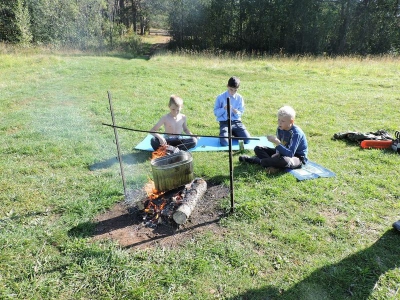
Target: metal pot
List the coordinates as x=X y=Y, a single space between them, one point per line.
x=172 y=171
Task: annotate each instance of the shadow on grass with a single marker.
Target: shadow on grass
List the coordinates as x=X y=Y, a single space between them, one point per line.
x=161 y=233
x=129 y=159
x=354 y=277
x=134 y=218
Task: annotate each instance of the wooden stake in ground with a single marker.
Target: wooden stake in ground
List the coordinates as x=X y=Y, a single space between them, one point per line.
x=193 y=194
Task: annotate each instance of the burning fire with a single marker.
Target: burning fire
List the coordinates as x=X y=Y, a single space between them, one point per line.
x=160 y=152
x=158 y=206
x=164 y=150
x=151 y=191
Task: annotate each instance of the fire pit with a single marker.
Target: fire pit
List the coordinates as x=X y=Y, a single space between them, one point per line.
x=176 y=205
x=172 y=171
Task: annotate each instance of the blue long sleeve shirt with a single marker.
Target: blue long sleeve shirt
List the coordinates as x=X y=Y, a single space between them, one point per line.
x=236 y=101
x=293 y=143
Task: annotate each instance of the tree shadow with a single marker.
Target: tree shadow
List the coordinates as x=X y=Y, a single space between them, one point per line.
x=354 y=277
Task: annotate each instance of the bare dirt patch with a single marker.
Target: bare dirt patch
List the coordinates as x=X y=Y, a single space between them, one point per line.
x=124 y=223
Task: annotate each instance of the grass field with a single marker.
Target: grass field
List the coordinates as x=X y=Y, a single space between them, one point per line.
x=328 y=238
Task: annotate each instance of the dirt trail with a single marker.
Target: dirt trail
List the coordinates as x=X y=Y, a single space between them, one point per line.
x=159 y=40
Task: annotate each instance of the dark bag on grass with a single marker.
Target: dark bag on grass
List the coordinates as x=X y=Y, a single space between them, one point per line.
x=359 y=137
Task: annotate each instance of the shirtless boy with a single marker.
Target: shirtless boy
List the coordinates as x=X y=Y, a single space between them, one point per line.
x=174 y=122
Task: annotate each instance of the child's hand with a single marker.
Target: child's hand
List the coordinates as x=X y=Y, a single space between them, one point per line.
x=273 y=139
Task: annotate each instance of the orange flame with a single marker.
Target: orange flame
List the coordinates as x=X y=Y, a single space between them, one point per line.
x=160 y=152
x=151 y=191
x=157 y=202
x=153 y=206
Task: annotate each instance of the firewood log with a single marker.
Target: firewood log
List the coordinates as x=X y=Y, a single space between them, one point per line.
x=192 y=196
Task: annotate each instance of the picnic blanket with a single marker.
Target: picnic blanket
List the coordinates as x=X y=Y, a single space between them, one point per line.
x=310 y=170
x=210 y=144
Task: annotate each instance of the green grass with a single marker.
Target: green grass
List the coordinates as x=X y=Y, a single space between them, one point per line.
x=328 y=238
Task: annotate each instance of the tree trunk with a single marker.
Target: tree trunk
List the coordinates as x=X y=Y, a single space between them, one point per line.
x=142 y=26
x=134 y=16
x=344 y=26
x=192 y=196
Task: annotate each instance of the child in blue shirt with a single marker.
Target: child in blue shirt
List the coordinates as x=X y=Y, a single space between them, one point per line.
x=290 y=142
x=237 y=109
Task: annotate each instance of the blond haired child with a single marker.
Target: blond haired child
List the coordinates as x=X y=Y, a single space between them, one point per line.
x=290 y=142
x=174 y=123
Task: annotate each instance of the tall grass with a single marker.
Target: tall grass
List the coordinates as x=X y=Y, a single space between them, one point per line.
x=321 y=239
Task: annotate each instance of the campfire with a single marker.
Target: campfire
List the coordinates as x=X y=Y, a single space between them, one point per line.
x=159 y=207
x=173 y=194
x=163 y=151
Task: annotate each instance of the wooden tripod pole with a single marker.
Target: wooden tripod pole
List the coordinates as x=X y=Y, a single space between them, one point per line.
x=117 y=143
x=228 y=109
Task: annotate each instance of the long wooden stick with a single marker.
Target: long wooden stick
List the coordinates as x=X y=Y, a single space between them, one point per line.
x=228 y=100
x=194 y=135
x=117 y=143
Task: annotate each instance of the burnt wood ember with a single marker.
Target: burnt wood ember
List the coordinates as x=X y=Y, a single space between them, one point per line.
x=161 y=209
x=174 y=206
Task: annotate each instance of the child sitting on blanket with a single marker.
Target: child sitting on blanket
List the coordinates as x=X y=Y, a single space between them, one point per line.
x=290 y=145
x=174 y=122
x=237 y=110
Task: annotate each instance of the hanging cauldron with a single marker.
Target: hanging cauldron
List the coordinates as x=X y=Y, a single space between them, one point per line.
x=172 y=171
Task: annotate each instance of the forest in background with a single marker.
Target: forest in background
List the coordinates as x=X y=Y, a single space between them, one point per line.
x=332 y=27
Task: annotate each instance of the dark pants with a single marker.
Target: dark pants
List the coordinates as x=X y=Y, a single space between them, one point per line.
x=266 y=160
x=238 y=130
x=182 y=144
